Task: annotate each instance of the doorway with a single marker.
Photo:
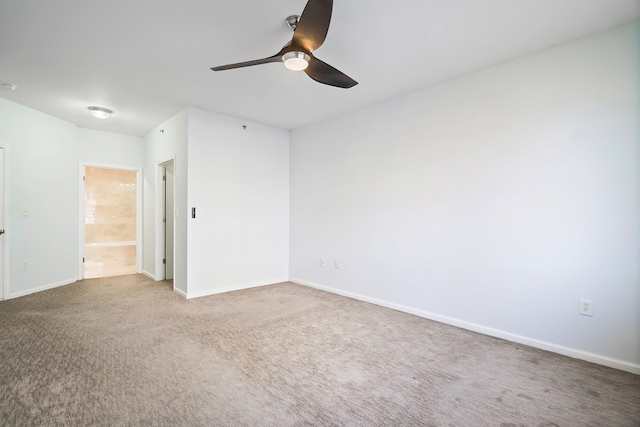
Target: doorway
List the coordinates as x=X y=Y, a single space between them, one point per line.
x=110 y=222
x=168 y=218
x=2 y=238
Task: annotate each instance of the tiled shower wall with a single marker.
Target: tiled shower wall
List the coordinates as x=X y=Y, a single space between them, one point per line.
x=110 y=222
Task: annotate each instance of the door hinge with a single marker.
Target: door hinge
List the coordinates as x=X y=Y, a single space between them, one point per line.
x=164 y=177
x=164 y=261
x=164 y=219
x=84 y=178
x=82 y=259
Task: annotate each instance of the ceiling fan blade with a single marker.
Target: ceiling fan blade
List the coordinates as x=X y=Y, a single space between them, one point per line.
x=325 y=73
x=274 y=58
x=313 y=25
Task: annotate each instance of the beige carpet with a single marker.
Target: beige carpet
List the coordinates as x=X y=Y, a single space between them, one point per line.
x=128 y=351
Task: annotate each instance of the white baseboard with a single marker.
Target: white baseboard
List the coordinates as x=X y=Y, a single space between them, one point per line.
x=41 y=288
x=191 y=295
x=543 y=345
x=149 y=275
x=179 y=292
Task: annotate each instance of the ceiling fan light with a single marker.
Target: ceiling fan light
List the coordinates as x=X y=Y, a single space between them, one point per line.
x=296 y=61
x=100 y=113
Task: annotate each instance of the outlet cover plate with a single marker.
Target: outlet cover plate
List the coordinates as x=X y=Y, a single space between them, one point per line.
x=586 y=307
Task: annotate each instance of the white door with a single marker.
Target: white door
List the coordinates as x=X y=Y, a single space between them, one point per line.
x=169 y=214
x=1 y=224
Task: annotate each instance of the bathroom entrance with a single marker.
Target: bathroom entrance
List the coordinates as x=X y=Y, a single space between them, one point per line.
x=110 y=222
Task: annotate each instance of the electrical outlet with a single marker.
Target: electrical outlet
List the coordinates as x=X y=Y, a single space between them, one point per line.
x=322 y=262
x=585 y=307
x=336 y=264
x=25 y=265
x=224 y=263
x=25 y=211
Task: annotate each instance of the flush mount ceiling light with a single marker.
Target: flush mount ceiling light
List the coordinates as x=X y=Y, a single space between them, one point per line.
x=100 y=113
x=296 y=61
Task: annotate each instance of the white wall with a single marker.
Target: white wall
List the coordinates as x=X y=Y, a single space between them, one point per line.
x=493 y=201
x=110 y=149
x=239 y=184
x=43 y=177
x=166 y=141
x=43 y=173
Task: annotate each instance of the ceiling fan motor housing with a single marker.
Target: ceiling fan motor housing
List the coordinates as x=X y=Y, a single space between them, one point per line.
x=296 y=61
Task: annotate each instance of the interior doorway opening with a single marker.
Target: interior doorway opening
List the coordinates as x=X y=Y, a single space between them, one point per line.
x=110 y=222
x=2 y=225
x=168 y=218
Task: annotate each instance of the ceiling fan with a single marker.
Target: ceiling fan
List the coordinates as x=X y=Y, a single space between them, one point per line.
x=309 y=31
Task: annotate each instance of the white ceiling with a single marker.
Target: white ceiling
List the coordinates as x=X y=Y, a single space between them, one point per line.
x=148 y=59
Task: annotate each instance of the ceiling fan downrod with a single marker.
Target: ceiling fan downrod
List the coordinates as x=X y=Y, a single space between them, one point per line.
x=292 y=22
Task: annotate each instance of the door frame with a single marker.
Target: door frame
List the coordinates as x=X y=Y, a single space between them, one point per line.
x=4 y=211
x=81 y=194
x=160 y=238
